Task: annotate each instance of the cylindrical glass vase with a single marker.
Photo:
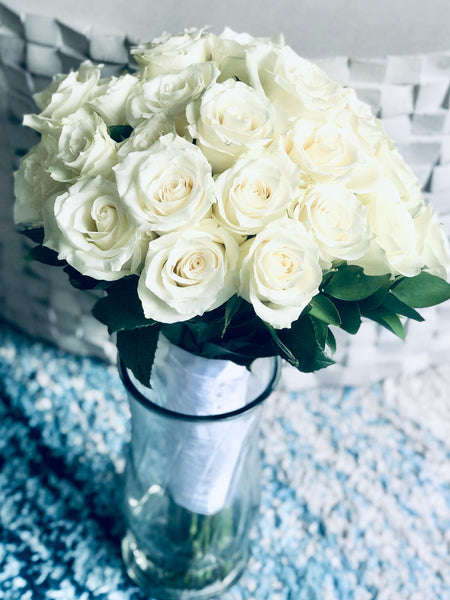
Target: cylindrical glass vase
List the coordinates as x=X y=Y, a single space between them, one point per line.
x=192 y=480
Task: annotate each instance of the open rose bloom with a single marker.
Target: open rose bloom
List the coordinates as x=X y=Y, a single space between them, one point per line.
x=229 y=193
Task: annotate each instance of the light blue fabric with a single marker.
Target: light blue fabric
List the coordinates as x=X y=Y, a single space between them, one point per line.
x=356 y=492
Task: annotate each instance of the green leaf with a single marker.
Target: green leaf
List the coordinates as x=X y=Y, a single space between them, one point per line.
x=324 y=309
x=350 y=315
x=327 y=275
x=387 y=319
x=320 y=331
x=284 y=351
x=350 y=283
x=79 y=281
x=45 y=255
x=422 y=290
x=201 y=331
x=243 y=342
x=231 y=309
x=119 y=133
x=304 y=341
x=121 y=309
x=331 y=341
x=392 y=303
x=36 y=234
x=174 y=333
x=137 y=350
x=244 y=355
x=375 y=300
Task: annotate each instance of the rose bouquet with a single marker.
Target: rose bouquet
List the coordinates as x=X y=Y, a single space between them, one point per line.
x=229 y=194
x=226 y=194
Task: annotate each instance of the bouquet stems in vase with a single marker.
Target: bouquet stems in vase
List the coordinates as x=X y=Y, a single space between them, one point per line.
x=234 y=204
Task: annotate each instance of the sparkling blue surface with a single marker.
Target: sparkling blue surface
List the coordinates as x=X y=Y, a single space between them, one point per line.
x=356 y=486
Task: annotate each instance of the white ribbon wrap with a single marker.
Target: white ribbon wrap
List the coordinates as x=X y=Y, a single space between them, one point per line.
x=203 y=457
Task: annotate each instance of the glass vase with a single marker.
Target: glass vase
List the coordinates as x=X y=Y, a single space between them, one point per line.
x=192 y=478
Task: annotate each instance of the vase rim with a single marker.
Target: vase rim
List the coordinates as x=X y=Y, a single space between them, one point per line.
x=146 y=402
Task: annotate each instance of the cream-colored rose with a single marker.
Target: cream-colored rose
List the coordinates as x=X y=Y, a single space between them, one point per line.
x=229 y=55
x=374 y=261
x=231 y=118
x=291 y=82
x=78 y=146
x=146 y=134
x=361 y=119
x=171 y=54
x=246 y=40
x=432 y=243
x=169 y=93
x=326 y=151
x=231 y=50
x=394 y=232
x=89 y=227
x=167 y=187
x=255 y=191
x=280 y=272
x=33 y=186
x=111 y=98
x=402 y=177
x=188 y=273
x=67 y=93
x=337 y=220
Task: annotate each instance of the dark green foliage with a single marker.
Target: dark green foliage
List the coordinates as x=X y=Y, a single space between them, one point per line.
x=119 y=133
x=233 y=331
x=422 y=290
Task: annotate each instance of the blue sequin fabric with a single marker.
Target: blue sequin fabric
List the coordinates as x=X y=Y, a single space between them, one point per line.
x=356 y=485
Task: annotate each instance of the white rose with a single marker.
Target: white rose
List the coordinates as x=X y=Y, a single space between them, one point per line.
x=111 y=99
x=359 y=115
x=67 y=93
x=326 y=151
x=247 y=41
x=231 y=118
x=336 y=218
x=432 y=243
x=146 y=134
x=33 y=186
x=406 y=183
x=255 y=191
x=280 y=272
x=188 y=273
x=230 y=52
x=293 y=83
x=89 y=228
x=374 y=261
x=79 y=146
x=394 y=232
x=170 y=92
x=167 y=187
x=230 y=55
x=173 y=53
